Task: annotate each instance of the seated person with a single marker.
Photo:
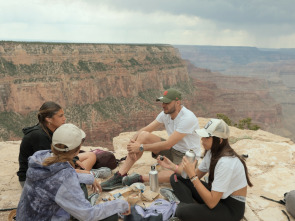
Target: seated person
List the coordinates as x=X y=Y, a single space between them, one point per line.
x=52 y=188
x=180 y=124
x=50 y=117
x=224 y=197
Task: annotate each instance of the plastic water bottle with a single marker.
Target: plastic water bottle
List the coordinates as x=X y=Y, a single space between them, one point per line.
x=191 y=156
x=154 y=181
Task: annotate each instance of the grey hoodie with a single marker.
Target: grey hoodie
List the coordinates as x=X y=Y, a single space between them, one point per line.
x=53 y=193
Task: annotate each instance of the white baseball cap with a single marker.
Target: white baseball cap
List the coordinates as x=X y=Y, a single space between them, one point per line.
x=216 y=128
x=68 y=135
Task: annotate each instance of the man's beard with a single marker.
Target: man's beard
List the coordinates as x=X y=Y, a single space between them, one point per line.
x=171 y=111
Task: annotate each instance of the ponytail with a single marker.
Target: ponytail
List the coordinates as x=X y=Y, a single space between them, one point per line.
x=48 y=109
x=61 y=156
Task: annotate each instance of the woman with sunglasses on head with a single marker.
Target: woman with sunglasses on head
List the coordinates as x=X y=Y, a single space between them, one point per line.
x=52 y=188
x=50 y=117
x=224 y=196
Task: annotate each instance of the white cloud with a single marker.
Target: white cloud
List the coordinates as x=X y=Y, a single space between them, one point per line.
x=216 y=22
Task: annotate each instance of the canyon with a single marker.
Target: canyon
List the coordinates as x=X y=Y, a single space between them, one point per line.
x=248 y=69
x=107 y=89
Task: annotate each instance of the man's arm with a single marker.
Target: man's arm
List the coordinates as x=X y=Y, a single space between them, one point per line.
x=164 y=145
x=133 y=147
x=149 y=128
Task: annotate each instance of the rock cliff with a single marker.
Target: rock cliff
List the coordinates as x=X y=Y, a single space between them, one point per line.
x=272 y=69
x=271 y=160
x=236 y=97
x=104 y=88
x=108 y=89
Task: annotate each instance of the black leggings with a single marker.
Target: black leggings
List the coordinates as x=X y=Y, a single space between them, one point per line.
x=193 y=208
x=114 y=217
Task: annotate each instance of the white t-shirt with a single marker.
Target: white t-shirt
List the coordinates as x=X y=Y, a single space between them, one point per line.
x=185 y=122
x=229 y=174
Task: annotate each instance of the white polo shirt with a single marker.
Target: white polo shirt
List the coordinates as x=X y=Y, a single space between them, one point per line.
x=185 y=122
x=229 y=174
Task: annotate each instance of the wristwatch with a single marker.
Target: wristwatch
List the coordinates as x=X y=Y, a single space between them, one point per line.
x=141 y=149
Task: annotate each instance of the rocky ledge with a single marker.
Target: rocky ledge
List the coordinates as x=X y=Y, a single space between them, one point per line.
x=271 y=164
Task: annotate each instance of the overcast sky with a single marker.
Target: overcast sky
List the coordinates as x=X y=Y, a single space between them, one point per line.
x=259 y=23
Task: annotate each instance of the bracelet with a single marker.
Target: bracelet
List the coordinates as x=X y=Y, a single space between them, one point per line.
x=176 y=168
x=194 y=178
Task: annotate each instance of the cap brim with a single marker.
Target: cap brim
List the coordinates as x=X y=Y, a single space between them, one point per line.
x=164 y=100
x=202 y=132
x=83 y=134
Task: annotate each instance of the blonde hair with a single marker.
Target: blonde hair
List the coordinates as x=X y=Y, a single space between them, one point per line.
x=61 y=156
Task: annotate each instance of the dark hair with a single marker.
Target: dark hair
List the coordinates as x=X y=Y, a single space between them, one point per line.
x=48 y=109
x=222 y=149
x=61 y=156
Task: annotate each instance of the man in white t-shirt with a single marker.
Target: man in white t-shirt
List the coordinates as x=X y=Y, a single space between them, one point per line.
x=180 y=124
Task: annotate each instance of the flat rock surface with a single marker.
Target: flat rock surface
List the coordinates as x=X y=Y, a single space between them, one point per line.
x=271 y=164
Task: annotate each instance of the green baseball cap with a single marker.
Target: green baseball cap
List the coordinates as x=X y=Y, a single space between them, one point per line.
x=170 y=95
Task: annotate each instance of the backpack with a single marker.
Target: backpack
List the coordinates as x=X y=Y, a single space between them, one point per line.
x=106 y=159
x=288 y=201
x=159 y=210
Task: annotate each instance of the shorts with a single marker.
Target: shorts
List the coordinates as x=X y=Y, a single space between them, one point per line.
x=174 y=155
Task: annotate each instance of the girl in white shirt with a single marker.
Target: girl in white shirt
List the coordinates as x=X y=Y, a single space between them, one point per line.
x=224 y=196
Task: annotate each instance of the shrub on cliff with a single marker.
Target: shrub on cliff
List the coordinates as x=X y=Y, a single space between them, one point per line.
x=245 y=123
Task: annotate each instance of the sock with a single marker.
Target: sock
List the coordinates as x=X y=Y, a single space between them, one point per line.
x=141 y=180
x=121 y=174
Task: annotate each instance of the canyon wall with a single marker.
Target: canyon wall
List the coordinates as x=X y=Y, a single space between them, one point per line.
x=109 y=88
x=252 y=69
x=236 y=97
x=106 y=89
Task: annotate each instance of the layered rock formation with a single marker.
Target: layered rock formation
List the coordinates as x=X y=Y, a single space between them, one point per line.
x=104 y=88
x=271 y=160
x=107 y=89
x=272 y=69
x=236 y=97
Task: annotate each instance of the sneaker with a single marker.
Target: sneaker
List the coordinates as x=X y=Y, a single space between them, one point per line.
x=169 y=195
x=102 y=172
x=133 y=178
x=93 y=198
x=113 y=183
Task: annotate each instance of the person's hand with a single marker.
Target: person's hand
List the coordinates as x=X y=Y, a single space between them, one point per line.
x=166 y=163
x=189 y=167
x=96 y=186
x=133 y=147
x=128 y=211
x=79 y=164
